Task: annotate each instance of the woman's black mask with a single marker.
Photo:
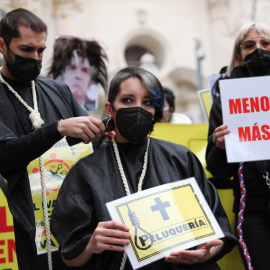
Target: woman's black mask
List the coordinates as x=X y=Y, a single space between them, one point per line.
x=134 y=124
x=258 y=62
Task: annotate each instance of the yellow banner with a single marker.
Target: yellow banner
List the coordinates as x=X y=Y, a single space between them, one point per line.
x=166 y=223
x=57 y=163
x=8 y=259
x=206 y=102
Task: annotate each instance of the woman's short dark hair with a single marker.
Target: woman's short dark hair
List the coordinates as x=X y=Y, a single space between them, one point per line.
x=10 y=23
x=151 y=83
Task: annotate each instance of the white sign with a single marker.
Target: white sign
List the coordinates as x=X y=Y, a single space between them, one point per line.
x=246 y=110
x=160 y=220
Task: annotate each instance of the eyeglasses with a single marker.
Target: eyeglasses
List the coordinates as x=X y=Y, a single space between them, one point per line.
x=250 y=45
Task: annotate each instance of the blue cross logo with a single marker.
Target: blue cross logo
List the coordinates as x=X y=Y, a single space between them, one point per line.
x=160 y=206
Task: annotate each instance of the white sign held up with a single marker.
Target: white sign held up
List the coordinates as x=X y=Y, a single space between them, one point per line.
x=246 y=109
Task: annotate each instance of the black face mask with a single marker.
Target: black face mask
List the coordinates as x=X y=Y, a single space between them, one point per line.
x=134 y=124
x=258 y=62
x=24 y=69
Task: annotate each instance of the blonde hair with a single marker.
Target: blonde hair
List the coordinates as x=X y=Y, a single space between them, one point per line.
x=244 y=30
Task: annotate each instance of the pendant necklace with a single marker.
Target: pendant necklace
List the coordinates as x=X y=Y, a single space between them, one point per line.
x=34 y=116
x=36 y=121
x=124 y=179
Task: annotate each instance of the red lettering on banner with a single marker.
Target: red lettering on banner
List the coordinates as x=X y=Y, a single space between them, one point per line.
x=265 y=130
x=11 y=249
x=2 y=243
x=247 y=105
x=235 y=106
x=244 y=134
x=254 y=133
x=4 y=228
x=254 y=104
x=265 y=103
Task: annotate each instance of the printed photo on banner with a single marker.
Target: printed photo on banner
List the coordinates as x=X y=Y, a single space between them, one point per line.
x=166 y=222
x=246 y=110
x=80 y=64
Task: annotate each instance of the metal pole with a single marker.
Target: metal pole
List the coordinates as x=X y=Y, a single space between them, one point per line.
x=199 y=53
x=199 y=56
x=253 y=14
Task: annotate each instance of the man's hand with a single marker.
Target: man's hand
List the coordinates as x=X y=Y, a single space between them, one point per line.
x=85 y=127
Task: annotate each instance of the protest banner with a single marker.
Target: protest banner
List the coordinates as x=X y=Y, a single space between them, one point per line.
x=246 y=111
x=8 y=258
x=57 y=162
x=205 y=102
x=166 y=223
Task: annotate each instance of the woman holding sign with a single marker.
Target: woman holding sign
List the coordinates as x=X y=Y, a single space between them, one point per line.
x=130 y=162
x=251 y=57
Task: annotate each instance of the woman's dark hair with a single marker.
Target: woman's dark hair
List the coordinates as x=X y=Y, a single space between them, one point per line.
x=10 y=23
x=64 y=48
x=169 y=97
x=151 y=83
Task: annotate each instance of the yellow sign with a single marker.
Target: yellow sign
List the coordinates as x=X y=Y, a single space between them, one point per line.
x=206 y=102
x=57 y=162
x=166 y=222
x=8 y=259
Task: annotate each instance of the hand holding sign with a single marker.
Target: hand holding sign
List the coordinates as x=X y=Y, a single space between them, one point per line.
x=218 y=136
x=109 y=235
x=166 y=226
x=202 y=253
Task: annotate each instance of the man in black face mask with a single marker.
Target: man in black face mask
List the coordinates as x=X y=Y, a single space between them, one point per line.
x=251 y=57
x=35 y=113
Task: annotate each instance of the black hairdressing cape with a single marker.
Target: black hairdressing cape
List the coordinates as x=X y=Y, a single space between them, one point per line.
x=19 y=145
x=90 y=184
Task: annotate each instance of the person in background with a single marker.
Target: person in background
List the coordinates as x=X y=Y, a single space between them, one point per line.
x=169 y=116
x=215 y=91
x=131 y=161
x=35 y=113
x=80 y=63
x=250 y=57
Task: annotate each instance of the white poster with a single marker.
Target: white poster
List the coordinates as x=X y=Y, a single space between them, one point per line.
x=246 y=110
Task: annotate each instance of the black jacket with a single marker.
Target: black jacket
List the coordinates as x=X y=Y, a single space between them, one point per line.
x=19 y=145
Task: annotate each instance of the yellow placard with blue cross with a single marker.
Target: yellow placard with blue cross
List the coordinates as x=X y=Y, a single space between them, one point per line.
x=165 y=218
